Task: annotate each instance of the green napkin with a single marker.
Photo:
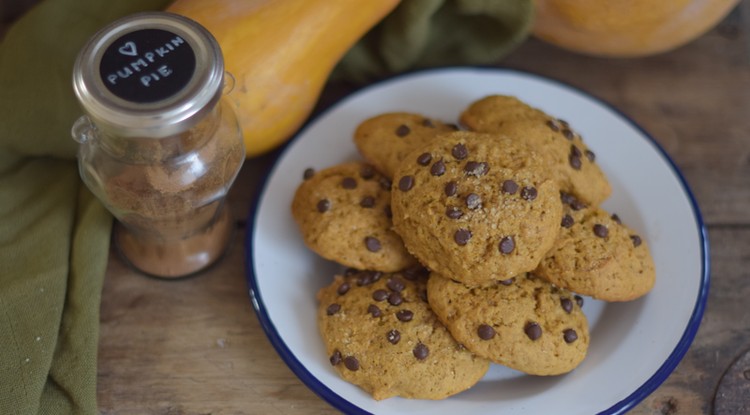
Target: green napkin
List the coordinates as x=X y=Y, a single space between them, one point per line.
x=428 y=33
x=54 y=235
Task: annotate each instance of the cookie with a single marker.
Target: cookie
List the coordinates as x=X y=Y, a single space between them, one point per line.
x=597 y=255
x=524 y=322
x=384 y=140
x=571 y=162
x=477 y=207
x=493 y=112
x=344 y=215
x=381 y=335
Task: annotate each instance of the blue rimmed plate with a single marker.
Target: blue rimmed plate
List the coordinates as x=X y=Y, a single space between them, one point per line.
x=634 y=345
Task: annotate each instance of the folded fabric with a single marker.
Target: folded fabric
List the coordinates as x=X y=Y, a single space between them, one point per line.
x=427 y=33
x=54 y=235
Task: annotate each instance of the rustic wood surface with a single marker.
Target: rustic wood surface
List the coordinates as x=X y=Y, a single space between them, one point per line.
x=195 y=346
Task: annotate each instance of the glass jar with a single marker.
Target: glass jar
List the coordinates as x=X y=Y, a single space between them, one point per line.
x=159 y=146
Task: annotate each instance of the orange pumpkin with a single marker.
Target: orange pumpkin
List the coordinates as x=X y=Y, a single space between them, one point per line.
x=626 y=28
x=281 y=53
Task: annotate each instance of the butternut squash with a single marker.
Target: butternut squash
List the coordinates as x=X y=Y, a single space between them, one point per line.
x=626 y=28
x=280 y=53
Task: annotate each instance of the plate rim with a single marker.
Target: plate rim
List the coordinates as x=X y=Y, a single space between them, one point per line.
x=340 y=403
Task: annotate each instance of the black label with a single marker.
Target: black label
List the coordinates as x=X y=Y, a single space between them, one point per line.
x=147 y=65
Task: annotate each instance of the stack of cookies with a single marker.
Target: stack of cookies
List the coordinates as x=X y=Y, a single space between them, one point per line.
x=464 y=247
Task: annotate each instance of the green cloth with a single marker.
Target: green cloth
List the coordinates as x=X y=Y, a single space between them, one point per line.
x=428 y=33
x=54 y=235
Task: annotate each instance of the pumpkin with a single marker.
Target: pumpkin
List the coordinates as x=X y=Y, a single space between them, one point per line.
x=626 y=28
x=280 y=54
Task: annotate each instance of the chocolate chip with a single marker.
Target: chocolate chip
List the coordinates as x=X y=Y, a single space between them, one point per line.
x=406 y=183
x=601 y=230
x=335 y=358
x=533 y=330
x=508 y=281
x=367 y=202
x=453 y=212
x=462 y=236
x=563 y=122
x=636 y=240
x=308 y=173
x=476 y=168
x=616 y=218
x=528 y=193
x=422 y=294
x=459 y=151
x=367 y=172
x=575 y=162
x=438 y=169
x=507 y=245
x=453 y=126
x=324 y=205
x=451 y=188
x=553 y=126
x=567 y=221
x=395 y=298
x=385 y=184
x=566 y=304
x=428 y=123
x=567 y=198
x=374 y=310
x=590 y=155
x=388 y=212
x=568 y=134
x=351 y=363
x=485 y=332
x=379 y=295
x=421 y=351
x=343 y=288
x=349 y=183
x=403 y=130
x=350 y=272
x=510 y=187
x=570 y=335
x=424 y=159
x=473 y=201
x=574 y=150
x=393 y=336
x=395 y=284
x=372 y=244
x=579 y=300
x=416 y=271
x=368 y=277
x=404 y=315
x=333 y=309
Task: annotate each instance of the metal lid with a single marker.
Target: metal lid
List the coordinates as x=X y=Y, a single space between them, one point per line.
x=150 y=74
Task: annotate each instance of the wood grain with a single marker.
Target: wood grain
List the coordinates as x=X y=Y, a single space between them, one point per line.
x=195 y=346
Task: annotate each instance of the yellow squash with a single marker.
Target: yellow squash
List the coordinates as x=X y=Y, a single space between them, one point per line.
x=626 y=28
x=281 y=53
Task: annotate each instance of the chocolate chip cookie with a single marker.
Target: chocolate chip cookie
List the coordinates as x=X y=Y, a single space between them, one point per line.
x=476 y=207
x=381 y=335
x=344 y=215
x=572 y=163
x=597 y=255
x=523 y=322
x=385 y=139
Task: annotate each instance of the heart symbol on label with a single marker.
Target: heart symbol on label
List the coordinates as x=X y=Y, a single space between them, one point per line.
x=128 y=49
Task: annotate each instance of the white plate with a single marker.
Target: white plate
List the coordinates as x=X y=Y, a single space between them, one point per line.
x=634 y=346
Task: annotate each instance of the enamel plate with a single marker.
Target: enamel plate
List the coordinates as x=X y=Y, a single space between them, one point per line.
x=634 y=346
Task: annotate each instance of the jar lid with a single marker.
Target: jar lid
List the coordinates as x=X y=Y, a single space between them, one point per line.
x=150 y=74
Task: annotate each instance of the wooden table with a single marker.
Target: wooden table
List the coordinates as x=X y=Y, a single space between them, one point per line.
x=195 y=346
